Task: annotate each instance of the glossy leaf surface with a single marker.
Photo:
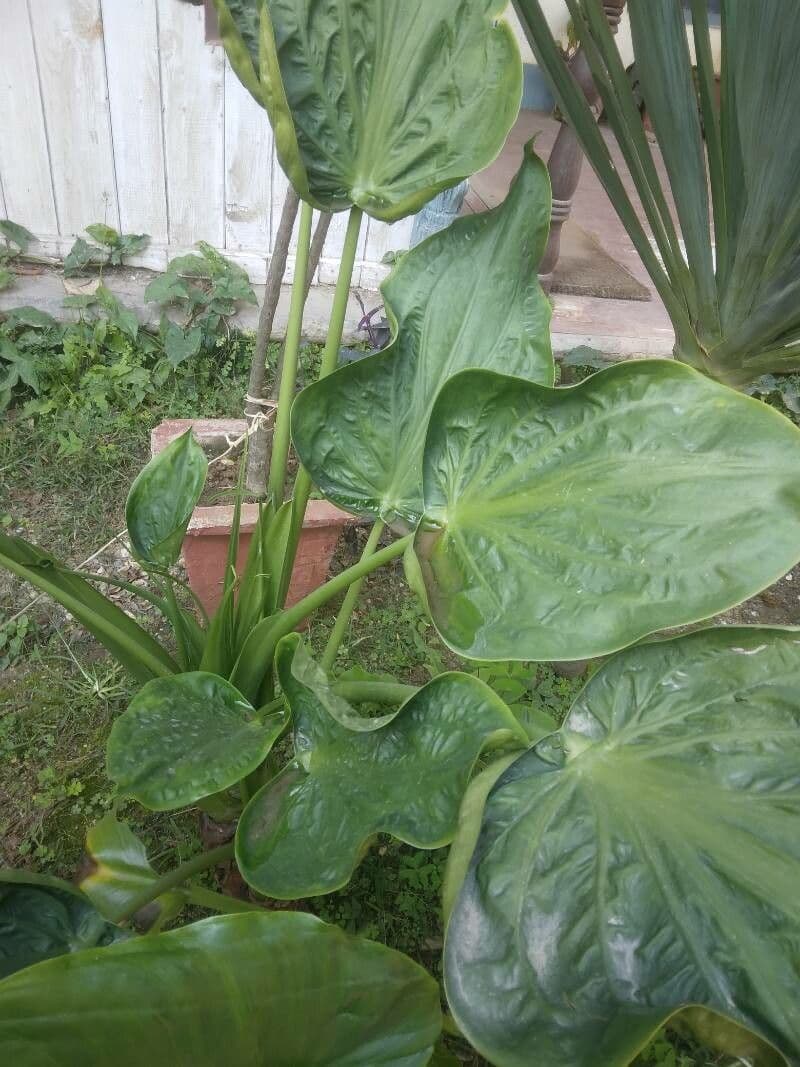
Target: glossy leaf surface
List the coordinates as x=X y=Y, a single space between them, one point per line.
x=43 y=917
x=271 y=990
x=162 y=499
x=378 y=104
x=564 y=524
x=403 y=773
x=119 y=870
x=643 y=859
x=186 y=737
x=469 y=296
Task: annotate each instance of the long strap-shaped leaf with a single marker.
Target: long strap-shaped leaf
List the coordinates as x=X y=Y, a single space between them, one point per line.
x=127 y=642
x=664 y=69
x=613 y=83
x=701 y=31
x=741 y=317
x=574 y=105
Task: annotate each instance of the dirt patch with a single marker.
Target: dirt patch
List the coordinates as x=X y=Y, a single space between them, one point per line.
x=777 y=606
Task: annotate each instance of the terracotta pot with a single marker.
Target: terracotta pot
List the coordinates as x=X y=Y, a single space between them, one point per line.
x=205 y=548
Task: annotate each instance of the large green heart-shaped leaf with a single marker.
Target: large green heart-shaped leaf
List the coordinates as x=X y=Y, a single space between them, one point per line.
x=118 y=870
x=271 y=990
x=467 y=297
x=404 y=774
x=185 y=737
x=162 y=498
x=43 y=917
x=643 y=859
x=378 y=104
x=563 y=524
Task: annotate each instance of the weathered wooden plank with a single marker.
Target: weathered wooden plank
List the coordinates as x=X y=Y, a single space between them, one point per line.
x=192 y=74
x=68 y=39
x=248 y=176
x=134 y=93
x=24 y=159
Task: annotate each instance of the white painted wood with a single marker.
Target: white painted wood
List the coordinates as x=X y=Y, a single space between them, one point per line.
x=192 y=75
x=383 y=238
x=329 y=262
x=134 y=91
x=24 y=159
x=118 y=111
x=248 y=175
x=68 y=39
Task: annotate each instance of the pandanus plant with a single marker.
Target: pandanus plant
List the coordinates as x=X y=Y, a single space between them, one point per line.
x=726 y=226
x=638 y=862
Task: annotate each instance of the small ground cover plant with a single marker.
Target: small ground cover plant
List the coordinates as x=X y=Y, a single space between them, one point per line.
x=628 y=865
x=107 y=363
x=207 y=290
x=110 y=249
x=16 y=240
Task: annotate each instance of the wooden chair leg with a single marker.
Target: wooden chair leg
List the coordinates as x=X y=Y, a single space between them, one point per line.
x=566 y=158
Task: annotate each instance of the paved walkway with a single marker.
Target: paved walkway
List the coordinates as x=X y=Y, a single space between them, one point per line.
x=616 y=327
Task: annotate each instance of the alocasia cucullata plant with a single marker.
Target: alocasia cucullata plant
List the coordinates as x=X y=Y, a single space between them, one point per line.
x=603 y=877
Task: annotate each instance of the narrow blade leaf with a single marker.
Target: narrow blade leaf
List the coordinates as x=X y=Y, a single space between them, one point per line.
x=127 y=642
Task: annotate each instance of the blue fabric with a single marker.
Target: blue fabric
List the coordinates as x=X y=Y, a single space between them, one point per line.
x=438 y=213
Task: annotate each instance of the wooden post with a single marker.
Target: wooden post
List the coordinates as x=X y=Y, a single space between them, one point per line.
x=260 y=442
x=566 y=157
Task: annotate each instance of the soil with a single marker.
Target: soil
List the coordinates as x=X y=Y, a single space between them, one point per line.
x=223 y=472
x=779 y=605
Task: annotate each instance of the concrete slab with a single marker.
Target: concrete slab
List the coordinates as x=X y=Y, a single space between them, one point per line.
x=46 y=292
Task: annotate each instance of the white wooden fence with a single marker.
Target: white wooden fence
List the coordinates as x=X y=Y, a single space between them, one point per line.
x=118 y=111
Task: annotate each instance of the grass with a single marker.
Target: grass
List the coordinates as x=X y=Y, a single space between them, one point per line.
x=59 y=693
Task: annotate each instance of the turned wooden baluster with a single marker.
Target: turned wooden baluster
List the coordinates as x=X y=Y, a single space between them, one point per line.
x=566 y=157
